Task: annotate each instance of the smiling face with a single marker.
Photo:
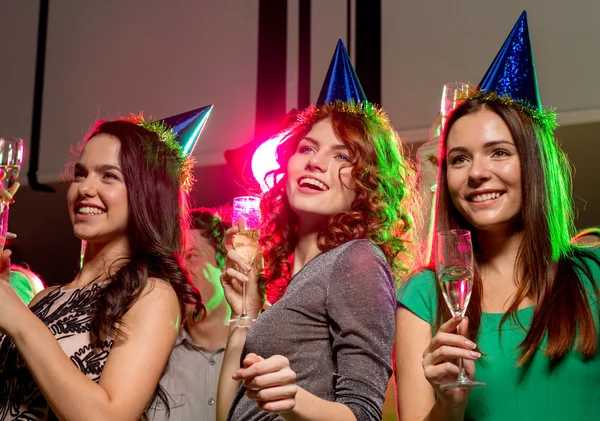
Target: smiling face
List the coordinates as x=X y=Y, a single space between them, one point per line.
x=484 y=171
x=97 y=196
x=319 y=179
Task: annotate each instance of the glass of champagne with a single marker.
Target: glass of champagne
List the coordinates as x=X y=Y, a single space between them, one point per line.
x=245 y=243
x=451 y=93
x=11 y=159
x=454 y=267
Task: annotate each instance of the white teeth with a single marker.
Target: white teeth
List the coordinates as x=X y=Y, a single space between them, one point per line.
x=88 y=210
x=314 y=182
x=486 y=196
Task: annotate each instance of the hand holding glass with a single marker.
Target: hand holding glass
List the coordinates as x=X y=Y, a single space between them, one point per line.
x=11 y=159
x=454 y=267
x=245 y=243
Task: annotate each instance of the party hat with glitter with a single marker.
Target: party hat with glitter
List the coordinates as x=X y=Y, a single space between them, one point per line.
x=188 y=127
x=341 y=82
x=512 y=73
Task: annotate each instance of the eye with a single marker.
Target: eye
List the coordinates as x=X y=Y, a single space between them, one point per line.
x=78 y=175
x=305 y=149
x=110 y=176
x=458 y=160
x=501 y=153
x=343 y=157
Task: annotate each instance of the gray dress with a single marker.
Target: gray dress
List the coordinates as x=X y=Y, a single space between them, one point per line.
x=335 y=324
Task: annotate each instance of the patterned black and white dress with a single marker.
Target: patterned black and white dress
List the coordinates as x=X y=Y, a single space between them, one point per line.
x=67 y=313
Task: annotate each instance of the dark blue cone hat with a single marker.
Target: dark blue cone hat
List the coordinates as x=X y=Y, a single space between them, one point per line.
x=512 y=72
x=188 y=127
x=341 y=82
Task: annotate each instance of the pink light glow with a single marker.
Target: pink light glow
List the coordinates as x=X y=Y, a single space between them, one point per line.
x=264 y=161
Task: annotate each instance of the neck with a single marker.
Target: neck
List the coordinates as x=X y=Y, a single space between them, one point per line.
x=499 y=249
x=306 y=248
x=212 y=332
x=100 y=261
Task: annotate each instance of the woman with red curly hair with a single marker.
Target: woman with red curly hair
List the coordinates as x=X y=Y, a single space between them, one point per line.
x=332 y=237
x=334 y=231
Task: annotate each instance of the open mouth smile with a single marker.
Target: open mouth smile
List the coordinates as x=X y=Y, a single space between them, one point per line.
x=312 y=183
x=484 y=197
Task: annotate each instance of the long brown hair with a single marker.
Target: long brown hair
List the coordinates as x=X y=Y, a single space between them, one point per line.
x=546 y=261
x=384 y=180
x=156 y=226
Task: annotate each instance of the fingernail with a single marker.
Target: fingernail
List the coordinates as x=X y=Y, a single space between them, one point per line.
x=247 y=268
x=235 y=376
x=475 y=354
x=470 y=344
x=246 y=279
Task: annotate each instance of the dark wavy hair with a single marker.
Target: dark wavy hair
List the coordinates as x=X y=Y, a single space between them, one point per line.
x=384 y=184
x=546 y=259
x=156 y=226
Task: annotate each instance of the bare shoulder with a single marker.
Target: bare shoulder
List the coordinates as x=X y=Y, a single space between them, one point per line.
x=158 y=300
x=43 y=293
x=159 y=289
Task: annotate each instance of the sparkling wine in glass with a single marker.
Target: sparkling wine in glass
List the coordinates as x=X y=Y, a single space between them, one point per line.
x=456 y=283
x=454 y=264
x=11 y=159
x=245 y=243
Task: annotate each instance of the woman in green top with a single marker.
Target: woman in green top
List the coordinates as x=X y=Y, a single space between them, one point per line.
x=531 y=331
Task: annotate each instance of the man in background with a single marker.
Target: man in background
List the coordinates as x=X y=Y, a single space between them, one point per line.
x=191 y=377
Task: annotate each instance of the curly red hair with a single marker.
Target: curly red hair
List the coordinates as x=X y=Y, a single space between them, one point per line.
x=384 y=183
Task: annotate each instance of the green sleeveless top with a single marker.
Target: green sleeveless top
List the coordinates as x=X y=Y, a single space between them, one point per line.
x=541 y=389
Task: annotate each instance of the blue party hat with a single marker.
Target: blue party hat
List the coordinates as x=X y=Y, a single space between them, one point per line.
x=512 y=72
x=188 y=127
x=341 y=82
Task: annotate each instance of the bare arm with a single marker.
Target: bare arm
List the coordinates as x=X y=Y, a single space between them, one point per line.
x=151 y=329
x=312 y=408
x=420 y=365
x=228 y=387
x=232 y=280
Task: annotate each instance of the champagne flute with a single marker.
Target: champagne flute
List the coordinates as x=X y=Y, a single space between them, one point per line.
x=451 y=94
x=245 y=243
x=11 y=159
x=454 y=266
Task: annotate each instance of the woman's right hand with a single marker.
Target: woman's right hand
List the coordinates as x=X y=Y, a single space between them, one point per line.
x=440 y=361
x=236 y=272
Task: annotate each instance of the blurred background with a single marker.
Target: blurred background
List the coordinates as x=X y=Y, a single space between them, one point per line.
x=65 y=63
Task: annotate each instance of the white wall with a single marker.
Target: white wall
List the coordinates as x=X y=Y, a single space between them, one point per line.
x=113 y=57
x=18 y=40
x=428 y=43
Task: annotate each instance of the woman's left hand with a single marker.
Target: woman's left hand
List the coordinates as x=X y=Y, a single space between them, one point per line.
x=12 y=307
x=270 y=382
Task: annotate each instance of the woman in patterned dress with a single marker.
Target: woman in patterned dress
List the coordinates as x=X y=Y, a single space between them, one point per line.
x=95 y=348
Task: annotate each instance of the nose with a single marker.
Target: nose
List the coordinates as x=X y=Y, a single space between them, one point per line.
x=88 y=187
x=317 y=162
x=479 y=171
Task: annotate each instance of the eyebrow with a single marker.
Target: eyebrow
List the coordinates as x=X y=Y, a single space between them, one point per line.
x=339 y=146
x=99 y=168
x=485 y=146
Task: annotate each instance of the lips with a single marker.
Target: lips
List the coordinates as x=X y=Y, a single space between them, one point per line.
x=312 y=183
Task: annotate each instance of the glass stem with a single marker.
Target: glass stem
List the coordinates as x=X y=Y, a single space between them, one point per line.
x=244 y=312
x=462 y=377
